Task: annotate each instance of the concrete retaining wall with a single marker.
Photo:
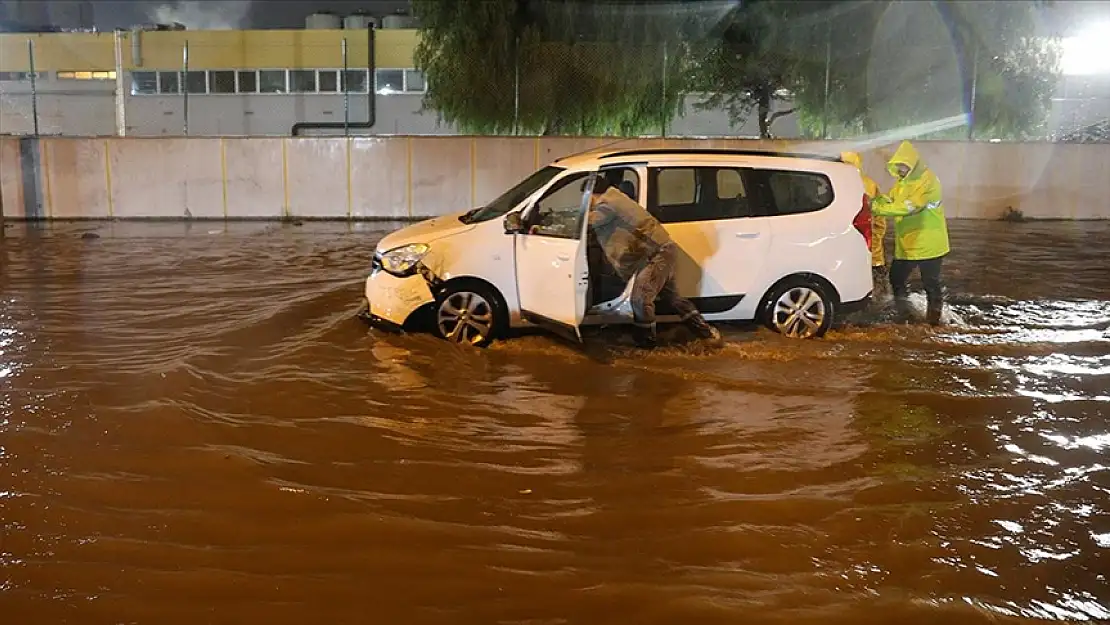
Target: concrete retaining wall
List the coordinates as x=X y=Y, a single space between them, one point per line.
x=413 y=177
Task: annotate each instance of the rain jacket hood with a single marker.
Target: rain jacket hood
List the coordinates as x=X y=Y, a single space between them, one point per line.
x=878 y=223
x=906 y=155
x=920 y=227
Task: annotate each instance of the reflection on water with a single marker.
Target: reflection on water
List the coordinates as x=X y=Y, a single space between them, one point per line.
x=193 y=429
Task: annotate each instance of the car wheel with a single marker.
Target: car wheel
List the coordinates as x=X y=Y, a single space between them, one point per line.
x=469 y=314
x=799 y=309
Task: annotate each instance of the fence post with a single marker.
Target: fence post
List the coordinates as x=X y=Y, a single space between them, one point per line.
x=346 y=95
x=974 y=86
x=663 y=103
x=828 y=77
x=185 y=83
x=121 y=102
x=516 y=86
x=34 y=85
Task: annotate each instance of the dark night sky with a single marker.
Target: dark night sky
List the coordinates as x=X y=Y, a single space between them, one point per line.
x=108 y=14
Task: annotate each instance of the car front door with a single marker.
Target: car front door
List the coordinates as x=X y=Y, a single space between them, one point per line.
x=552 y=272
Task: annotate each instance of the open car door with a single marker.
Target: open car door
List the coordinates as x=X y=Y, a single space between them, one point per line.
x=552 y=273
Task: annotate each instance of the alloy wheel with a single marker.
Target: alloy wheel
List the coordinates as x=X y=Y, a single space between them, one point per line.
x=799 y=313
x=465 y=317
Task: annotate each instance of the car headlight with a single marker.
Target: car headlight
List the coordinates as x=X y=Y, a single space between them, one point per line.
x=401 y=261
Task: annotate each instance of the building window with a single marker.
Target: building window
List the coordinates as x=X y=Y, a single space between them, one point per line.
x=271 y=81
x=248 y=81
x=197 y=82
x=20 y=76
x=222 y=81
x=89 y=75
x=168 y=82
x=414 y=81
x=329 y=81
x=387 y=81
x=144 y=83
x=302 y=81
x=354 y=81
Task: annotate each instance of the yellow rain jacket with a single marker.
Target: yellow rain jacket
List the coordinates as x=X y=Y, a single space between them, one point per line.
x=920 y=229
x=878 y=224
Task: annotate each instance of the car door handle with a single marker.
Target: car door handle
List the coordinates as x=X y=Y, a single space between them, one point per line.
x=563 y=256
x=747 y=235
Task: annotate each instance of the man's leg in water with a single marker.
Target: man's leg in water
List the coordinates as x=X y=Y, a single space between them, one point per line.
x=900 y=271
x=934 y=288
x=687 y=312
x=649 y=282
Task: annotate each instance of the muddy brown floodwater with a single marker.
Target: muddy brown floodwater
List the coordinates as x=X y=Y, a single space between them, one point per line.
x=195 y=429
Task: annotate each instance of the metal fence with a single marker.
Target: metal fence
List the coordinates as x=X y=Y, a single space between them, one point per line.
x=544 y=88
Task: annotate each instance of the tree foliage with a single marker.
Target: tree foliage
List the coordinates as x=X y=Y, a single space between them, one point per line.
x=845 y=67
x=851 y=68
x=556 y=67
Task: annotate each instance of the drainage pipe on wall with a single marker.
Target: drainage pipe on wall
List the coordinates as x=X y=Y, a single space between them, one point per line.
x=371 y=104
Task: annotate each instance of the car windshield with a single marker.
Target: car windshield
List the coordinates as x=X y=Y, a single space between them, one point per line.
x=509 y=199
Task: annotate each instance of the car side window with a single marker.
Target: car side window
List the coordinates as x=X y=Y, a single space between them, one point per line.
x=731 y=194
x=682 y=194
x=625 y=179
x=558 y=213
x=798 y=192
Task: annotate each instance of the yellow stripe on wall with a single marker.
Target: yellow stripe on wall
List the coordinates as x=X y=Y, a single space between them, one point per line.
x=45 y=147
x=350 y=188
x=473 y=172
x=285 y=209
x=108 y=177
x=223 y=173
x=408 y=181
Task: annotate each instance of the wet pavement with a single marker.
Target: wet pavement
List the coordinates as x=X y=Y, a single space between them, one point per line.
x=195 y=429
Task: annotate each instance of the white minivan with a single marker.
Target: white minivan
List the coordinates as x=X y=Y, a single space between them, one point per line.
x=779 y=238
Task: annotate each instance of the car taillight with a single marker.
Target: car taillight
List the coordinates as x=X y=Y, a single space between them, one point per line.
x=862 y=222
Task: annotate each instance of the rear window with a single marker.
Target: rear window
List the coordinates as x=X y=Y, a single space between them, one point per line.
x=797 y=192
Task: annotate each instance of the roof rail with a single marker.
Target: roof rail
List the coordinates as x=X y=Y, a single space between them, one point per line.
x=722 y=152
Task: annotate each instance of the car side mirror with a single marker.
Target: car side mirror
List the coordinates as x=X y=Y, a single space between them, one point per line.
x=512 y=223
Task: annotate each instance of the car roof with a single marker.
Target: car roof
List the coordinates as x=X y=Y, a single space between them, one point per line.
x=600 y=156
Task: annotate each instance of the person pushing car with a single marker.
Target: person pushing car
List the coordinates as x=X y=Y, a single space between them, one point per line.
x=879 y=275
x=637 y=246
x=920 y=229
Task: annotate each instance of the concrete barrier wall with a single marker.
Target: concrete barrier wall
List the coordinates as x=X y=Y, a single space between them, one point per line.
x=415 y=177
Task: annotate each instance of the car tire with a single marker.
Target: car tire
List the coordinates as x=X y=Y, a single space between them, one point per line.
x=469 y=313
x=799 y=308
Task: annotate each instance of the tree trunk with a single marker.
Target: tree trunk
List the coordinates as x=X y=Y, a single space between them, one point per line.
x=763 y=102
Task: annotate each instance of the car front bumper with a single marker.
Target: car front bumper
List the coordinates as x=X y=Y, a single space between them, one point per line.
x=389 y=300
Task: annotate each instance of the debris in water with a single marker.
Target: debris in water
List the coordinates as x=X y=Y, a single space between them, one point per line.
x=90 y=235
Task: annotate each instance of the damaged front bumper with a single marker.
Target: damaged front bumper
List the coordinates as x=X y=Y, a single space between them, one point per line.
x=389 y=300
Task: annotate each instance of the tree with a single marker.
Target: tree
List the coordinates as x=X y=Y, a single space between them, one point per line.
x=857 y=67
x=556 y=67
x=750 y=61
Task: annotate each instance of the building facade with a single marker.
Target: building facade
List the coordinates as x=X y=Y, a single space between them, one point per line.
x=233 y=83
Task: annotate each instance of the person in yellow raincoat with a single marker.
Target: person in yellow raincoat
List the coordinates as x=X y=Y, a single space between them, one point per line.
x=878 y=223
x=920 y=229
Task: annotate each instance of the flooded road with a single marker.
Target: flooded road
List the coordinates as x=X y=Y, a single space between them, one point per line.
x=195 y=429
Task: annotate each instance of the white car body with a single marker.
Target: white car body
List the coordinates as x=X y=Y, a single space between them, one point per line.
x=735 y=248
